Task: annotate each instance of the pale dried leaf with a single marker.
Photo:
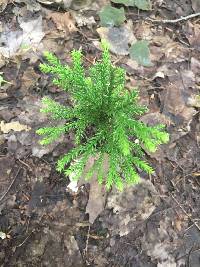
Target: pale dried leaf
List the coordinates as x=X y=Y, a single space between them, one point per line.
x=118 y=38
x=21 y=40
x=14 y=125
x=32 y=31
x=96 y=200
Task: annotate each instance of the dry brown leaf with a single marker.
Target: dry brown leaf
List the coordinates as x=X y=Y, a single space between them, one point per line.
x=29 y=79
x=14 y=125
x=195 y=65
x=193 y=35
x=97 y=194
x=63 y=21
x=96 y=200
x=118 y=38
x=129 y=208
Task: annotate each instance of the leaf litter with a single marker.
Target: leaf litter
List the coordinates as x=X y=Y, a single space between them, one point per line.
x=143 y=216
x=28 y=37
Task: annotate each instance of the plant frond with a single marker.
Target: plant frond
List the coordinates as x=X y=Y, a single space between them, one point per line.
x=104 y=119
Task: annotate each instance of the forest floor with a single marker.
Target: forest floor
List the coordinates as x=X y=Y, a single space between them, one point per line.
x=42 y=222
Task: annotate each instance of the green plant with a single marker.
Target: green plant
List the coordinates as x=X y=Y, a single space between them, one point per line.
x=2 y=79
x=104 y=119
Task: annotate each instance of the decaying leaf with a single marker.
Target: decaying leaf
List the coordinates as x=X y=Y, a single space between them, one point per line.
x=111 y=16
x=193 y=35
x=58 y=3
x=3 y=5
x=97 y=194
x=141 y=4
x=80 y=4
x=96 y=200
x=118 y=38
x=21 y=40
x=29 y=79
x=82 y=20
x=139 y=51
x=32 y=5
x=63 y=21
x=196 y=5
x=129 y=208
x=14 y=125
x=32 y=31
x=194 y=101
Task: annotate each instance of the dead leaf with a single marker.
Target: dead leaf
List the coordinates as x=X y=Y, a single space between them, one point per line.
x=59 y=3
x=162 y=46
x=180 y=88
x=32 y=31
x=97 y=194
x=129 y=208
x=193 y=35
x=194 y=101
x=80 y=4
x=118 y=38
x=195 y=65
x=155 y=118
x=196 y=5
x=32 y=5
x=14 y=125
x=29 y=78
x=63 y=21
x=3 y=5
x=96 y=200
x=82 y=20
x=21 y=40
x=152 y=119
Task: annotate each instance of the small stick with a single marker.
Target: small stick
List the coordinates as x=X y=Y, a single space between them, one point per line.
x=176 y=20
x=87 y=241
x=6 y=192
x=21 y=244
x=184 y=211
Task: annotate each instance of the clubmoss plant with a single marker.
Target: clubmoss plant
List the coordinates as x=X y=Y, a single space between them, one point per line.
x=104 y=119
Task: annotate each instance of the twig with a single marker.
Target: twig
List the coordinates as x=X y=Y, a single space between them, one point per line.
x=6 y=192
x=21 y=244
x=87 y=241
x=189 y=216
x=176 y=20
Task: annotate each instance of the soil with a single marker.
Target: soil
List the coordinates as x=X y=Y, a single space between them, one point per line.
x=155 y=223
